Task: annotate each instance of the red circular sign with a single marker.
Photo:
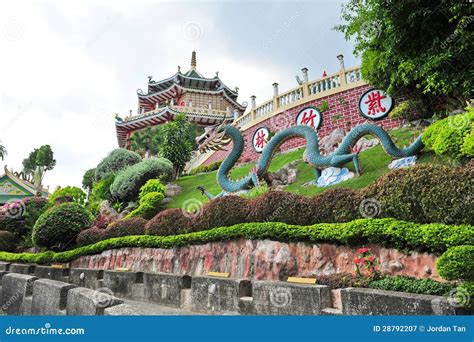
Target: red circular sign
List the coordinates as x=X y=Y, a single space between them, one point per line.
x=309 y=116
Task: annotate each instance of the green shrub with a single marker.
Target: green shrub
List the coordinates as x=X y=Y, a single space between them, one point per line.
x=220 y=212
x=128 y=182
x=152 y=185
x=169 y=222
x=115 y=161
x=256 y=191
x=74 y=192
x=385 y=232
x=60 y=225
x=205 y=168
x=90 y=236
x=126 y=227
x=464 y=295
x=412 y=285
x=451 y=136
x=457 y=263
x=425 y=193
x=7 y=241
x=334 y=205
x=150 y=205
x=100 y=192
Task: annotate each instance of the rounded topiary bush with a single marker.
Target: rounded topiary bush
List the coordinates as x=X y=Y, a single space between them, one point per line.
x=169 y=222
x=278 y=206
x=89 y=236
x=60 y=225
x=128 y=182
x=457 y=263
x=333 y=206
x=221 y=212
x=7 y=241
x=115 y=161
x=126 y=227
x=425 y=193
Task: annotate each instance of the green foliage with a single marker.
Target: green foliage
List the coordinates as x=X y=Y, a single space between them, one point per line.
x=150 y=204
x=256 y=192
x=7 y=241
x=100 y=192
x=324 y=106
x=457 y=263
x=452 y=136
x=147 y=141
x=205 y=168
x=126 y=227
x=464 y=295
x=412 y=285
x=220 y=212
x=42 y=157
x=385 y=232
x=128 y=182
x=3 y=151
x=417 y=49
x=178 y=142
x=425 y=193
x=88 y=180
x=115 y=161
x=152 y=185
x=408 y=110
x=169 y=222
x=74 y=192
x=60 y=225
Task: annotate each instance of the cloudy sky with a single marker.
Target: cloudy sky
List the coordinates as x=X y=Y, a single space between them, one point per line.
x=66 y=67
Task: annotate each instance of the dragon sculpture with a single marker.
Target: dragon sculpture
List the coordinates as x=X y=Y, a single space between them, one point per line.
x=218 y=136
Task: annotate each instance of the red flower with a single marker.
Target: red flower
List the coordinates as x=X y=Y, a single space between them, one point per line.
x=362 y=250
x=357 y=261
x=371 y=258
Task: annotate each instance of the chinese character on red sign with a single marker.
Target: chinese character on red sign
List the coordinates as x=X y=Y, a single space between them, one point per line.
x=374 y=105
x=260 y=139
x=308 y=118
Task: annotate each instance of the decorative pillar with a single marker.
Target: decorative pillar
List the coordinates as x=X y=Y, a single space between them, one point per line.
x=275 y=96
x=305 y=82
x=253 y=105
x=342 y=69
x=235 y=114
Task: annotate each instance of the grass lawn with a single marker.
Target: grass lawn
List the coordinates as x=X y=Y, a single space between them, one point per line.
x=373 y=163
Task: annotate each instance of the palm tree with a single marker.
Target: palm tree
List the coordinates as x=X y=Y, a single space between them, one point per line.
x=146 y=141
x=3 y=151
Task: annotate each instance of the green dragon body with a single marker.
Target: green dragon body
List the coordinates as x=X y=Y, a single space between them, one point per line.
x=342 y=155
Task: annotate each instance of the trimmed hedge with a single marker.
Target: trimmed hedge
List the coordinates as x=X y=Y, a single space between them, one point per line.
x=128 y=182
x=169 y=222
x=221 y=212
x=457 y=263
x=412 y=285
x=60 y=225
x=205 y=168
x=7 y=241
x=385 y=232
x=126 y=227
x=115 y=161
x=90 y=236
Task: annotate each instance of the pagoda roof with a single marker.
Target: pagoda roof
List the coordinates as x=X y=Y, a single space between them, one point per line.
x=192 y=80
x=202 y=116
x=14 y=186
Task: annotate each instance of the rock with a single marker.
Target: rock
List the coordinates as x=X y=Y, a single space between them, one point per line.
x=284 y=176
x=107 y=213
x=172 y=189
x=331 y=141
x=364 y=144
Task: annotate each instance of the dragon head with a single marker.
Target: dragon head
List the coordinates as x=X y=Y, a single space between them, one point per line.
x=213 y=138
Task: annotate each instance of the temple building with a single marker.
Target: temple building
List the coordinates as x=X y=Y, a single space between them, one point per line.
x=14 y=186
x=205 y=101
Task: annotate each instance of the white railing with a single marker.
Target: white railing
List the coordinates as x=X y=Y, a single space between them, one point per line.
x=186 y=109
x=345 y=78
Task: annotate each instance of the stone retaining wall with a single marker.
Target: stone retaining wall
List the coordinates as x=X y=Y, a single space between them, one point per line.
x=23 y=294
x=258 y=260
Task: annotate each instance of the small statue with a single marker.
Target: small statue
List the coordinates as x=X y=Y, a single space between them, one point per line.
x=118 y=119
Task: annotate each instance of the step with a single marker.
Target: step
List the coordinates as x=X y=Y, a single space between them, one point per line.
x=186 y=302
x=331 y=312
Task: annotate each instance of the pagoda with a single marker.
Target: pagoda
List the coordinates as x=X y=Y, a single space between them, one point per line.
x=204 y=101
x=14 y=186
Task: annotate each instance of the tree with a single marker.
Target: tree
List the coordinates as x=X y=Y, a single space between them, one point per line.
x=178 y=142
x=38 y=162
x=3 y=151
x=146 y=142
x=420 y=50
x=88 y=180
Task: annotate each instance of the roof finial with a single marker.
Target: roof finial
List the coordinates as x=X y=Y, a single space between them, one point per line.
x=193 y=60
